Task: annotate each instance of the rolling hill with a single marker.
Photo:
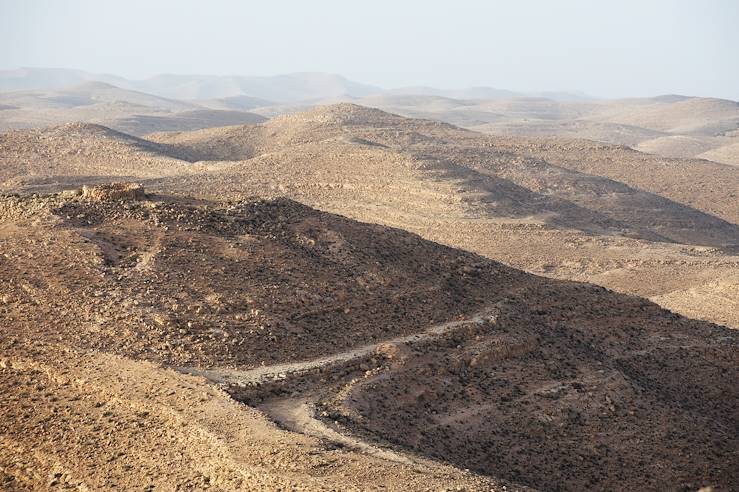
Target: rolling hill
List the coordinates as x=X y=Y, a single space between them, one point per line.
x=128 y=111
x=485 y=194
x=78 y=152
x=668 y=125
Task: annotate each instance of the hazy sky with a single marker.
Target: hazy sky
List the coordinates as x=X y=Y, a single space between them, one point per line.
x=604 y=48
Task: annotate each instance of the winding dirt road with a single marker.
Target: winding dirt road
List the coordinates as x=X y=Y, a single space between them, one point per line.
x=277 y=372
x=298 y=414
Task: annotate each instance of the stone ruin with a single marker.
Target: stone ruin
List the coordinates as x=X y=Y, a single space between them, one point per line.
x=114 y=192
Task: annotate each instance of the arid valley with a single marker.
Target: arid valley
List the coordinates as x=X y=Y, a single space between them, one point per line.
x=346 y=298
x=308 y=282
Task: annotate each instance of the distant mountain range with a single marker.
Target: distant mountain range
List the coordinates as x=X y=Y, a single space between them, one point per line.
x=286 y=88
x=667 y=125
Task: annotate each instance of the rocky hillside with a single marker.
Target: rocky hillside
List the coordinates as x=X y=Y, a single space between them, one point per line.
x=707 y=186
x=578 y=218
x=78 y=152
x=275 y=301
x=503 y=183
x=566 y=390
x=668 y=126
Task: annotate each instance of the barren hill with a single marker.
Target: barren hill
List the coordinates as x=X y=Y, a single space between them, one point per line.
x=39 y=78
x=94 y=289
x=87 y=94
x=240 y=103
x=183 y=121
x=256 y=294
x=670 y=126
x=692 y=115
x=485 y=194
x=78 y=152
x=704 y=185
x=268 y=255
x=728 y=154
x=491 y=195
x=92 y=102
x=128 y=111
x=284 y=88
x=501 y=183
x=677 y=145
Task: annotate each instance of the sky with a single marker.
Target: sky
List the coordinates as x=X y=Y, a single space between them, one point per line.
x=604 y=49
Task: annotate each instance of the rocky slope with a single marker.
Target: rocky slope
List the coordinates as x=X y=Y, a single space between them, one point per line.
x=565 y=395
x=491 y=195
x=74 y=153
x=107 y=292
x=707 y=186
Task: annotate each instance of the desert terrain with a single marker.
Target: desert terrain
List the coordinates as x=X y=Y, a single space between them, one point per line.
x=227 y=283
x=585 y=218
x=667 y=126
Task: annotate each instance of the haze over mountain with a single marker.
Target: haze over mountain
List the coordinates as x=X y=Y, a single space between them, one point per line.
x=123 y=109
x=671 y=126
x=295 y=87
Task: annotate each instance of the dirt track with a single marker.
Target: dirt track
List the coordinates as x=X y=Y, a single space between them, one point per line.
x=297 y=413
x=283 y=371
x=149 y=426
